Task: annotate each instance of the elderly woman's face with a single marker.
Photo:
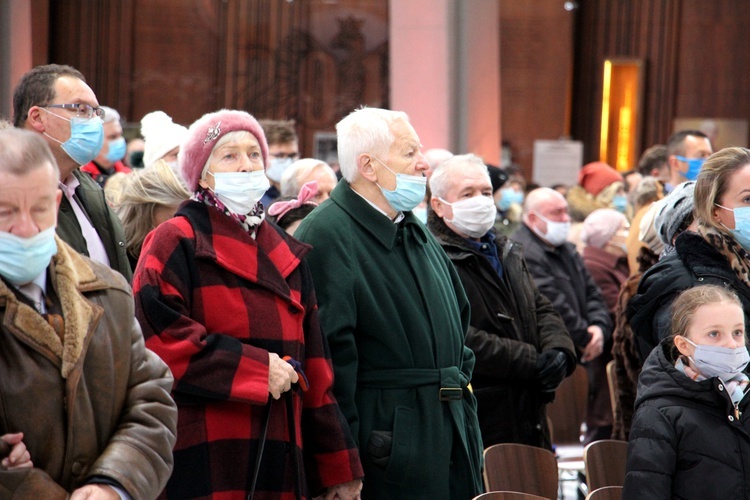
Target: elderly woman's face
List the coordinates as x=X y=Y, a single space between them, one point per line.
x=240 y=154
x=736 y=195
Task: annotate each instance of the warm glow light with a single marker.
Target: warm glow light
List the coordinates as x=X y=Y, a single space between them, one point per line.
x=605 y=111
x=623 y=138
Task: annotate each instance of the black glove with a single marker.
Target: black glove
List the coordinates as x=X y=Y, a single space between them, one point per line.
x=551 y=367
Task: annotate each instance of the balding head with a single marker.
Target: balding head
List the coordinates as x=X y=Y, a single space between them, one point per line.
x=543 y=206
x=539 y=198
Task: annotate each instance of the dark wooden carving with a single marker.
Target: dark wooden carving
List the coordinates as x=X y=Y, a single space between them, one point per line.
x=190 y=57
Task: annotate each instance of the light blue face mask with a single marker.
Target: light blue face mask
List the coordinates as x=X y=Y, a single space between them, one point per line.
x=116 y=150
x=409 y=192
x=716 y=361
x=86 y=138
x=23 y=259
x=741 y=231
x=694 y=166
x=509 y=196
x=620 y=203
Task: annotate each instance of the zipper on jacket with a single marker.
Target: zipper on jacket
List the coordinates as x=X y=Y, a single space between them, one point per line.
x=737 y=411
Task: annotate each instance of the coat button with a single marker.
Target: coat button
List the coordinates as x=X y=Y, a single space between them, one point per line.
x=121 y=243
x=731 y=418
x=721 y=387
x=76 y=469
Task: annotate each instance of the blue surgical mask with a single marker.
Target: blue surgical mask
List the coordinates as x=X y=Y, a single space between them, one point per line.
x=421 y=214
x=509 y=196
x=277 y=167
x=240 y=191
x=409 y=192
x=86 y=138
x=741 y=231
x=23 y=259
x=116 y=150
x=620 y=203
x=694 y=166
x=715 y=361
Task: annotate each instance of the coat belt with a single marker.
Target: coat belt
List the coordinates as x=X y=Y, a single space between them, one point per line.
x=450 y=381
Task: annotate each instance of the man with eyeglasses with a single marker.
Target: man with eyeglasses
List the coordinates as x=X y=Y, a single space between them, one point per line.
x=55 y=101
x=687 y=150
x=283 y=150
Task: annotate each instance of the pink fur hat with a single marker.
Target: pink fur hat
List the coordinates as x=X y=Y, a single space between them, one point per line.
x=203 y=135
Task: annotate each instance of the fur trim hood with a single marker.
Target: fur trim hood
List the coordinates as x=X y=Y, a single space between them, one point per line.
x=581 y=203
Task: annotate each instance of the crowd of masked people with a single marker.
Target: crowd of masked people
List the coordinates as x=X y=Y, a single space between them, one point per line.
x=202 y=314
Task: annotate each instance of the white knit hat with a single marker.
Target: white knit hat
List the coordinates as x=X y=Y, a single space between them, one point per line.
x=161 y=136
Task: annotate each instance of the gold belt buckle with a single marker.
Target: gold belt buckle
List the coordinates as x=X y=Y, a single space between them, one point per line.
x=451 y=394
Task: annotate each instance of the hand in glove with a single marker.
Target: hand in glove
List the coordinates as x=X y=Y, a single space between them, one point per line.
x=551 y=367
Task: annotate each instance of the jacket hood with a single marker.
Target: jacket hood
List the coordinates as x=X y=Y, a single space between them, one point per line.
x=659 y=378
x=581 y=203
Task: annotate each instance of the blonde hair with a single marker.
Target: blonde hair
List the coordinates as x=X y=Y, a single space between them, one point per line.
x=685 y=305
x=143 y=191
x=713 y=181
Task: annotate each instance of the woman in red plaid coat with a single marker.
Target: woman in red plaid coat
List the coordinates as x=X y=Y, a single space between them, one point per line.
x=222 y=296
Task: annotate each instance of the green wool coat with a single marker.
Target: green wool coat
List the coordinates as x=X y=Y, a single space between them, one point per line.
x=395 y=314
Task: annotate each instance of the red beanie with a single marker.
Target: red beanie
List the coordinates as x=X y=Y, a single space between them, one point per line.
x=203 y=136
x=595 y=176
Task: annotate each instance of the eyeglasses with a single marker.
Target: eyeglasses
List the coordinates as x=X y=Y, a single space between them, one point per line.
x=82 y=110
x=281 y=156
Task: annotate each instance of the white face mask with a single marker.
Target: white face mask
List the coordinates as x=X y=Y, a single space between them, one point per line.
x=557 y=232
x=240 y=191
x=473 y=216
x=277 y=167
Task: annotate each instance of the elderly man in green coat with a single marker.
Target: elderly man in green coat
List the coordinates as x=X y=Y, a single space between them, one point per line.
x=395 y=314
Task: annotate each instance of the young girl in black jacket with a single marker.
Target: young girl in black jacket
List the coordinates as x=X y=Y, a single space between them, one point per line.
x=691 y=434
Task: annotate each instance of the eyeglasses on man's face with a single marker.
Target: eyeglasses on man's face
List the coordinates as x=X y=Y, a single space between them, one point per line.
x=82 y=110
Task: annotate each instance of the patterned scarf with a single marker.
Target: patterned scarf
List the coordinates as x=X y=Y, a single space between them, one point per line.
x=736 y=386
x=737 y=256
x=249 y=222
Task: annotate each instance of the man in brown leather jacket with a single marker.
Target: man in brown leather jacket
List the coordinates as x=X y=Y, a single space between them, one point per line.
x=84 y=406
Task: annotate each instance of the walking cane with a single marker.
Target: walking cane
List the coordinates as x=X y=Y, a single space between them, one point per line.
x=289 y=400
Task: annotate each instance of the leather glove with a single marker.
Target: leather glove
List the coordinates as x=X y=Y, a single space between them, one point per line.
x=551 y=367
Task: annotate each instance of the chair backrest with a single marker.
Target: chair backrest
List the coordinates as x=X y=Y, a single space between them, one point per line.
x=606 y=493
x=508 y=495
x=612 y=382
x=521 y=468
x=605 y=463
x=568 y=411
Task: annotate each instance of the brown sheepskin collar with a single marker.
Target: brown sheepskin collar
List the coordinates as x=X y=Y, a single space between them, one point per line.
x=72 y=275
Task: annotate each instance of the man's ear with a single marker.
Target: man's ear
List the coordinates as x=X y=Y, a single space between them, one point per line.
x=34 y=120
x=674 y=164
x=366 y=168
x=437 y=206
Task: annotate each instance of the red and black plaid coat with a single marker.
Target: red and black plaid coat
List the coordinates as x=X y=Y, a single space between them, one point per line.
x=212 y=303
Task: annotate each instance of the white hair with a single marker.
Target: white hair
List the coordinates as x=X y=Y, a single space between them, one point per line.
x=444 y=173
x=229 y=136
x=365 y=130
x=110 y=115
x=291 y=181
x=436 y=156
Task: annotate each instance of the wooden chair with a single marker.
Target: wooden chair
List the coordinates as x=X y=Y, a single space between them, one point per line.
x=605 y=463
x=507 y=495
x=568 y=412
x=520 y=468
x=606 y=493
x=612 y=382
x=566 y=415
